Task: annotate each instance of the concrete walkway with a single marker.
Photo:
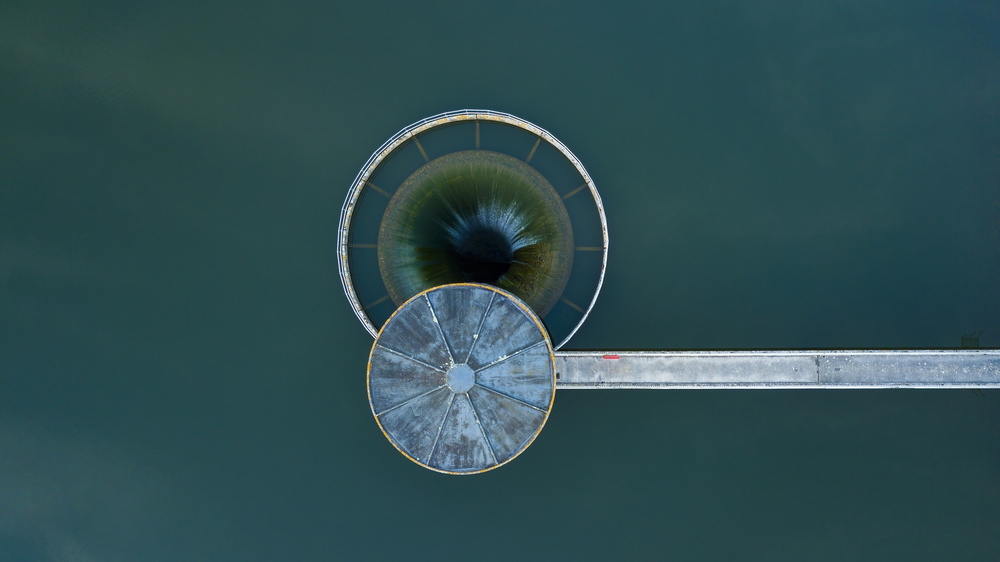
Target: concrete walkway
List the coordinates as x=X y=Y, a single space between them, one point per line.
x=964 y=368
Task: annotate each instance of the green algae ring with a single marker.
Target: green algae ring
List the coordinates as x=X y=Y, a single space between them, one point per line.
x=477 y=216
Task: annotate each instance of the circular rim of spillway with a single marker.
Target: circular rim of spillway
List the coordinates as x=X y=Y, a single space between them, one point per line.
x=496 y=419
x=424 y=125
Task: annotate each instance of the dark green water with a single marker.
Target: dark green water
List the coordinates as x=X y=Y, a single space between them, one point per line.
x=181 y=377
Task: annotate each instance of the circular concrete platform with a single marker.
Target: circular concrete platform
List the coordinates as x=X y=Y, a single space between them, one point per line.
x=461 y=378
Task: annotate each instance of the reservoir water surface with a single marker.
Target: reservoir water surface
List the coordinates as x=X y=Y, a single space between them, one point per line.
x=182 y=378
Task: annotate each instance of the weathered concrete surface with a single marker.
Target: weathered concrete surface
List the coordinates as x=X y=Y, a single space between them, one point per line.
x=461 y=378
x=965 y=368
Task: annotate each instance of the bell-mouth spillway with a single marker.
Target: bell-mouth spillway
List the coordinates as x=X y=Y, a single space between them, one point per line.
x=561 y=283
x=477 y=216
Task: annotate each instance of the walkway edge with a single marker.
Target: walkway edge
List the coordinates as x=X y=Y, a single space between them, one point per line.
x=960 y=368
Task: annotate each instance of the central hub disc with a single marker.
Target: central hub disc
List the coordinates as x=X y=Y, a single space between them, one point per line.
x=460 y=378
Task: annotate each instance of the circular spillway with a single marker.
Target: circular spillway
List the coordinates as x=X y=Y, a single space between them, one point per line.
x=477 y=216
x=461 y=378
x=478 y=196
